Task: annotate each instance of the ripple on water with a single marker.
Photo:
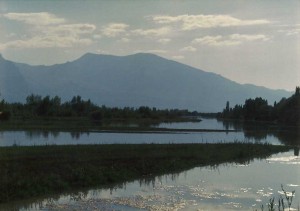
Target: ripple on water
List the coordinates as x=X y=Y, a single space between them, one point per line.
x=292 y=160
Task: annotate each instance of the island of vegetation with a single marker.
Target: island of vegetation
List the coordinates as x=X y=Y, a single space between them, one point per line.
x=42 y=170
x=286 y=111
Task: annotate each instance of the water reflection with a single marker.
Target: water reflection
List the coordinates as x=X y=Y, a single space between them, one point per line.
x=257 y=131
x=36 y=134
x=78 y=134
x=296 y=151
x=33 y=134
x=202 y=188
x=262 y=131
x=243 y=132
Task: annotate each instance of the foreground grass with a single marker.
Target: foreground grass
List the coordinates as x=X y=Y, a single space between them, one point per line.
x=37 y=171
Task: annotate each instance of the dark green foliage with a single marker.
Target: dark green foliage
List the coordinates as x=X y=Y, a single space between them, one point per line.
x=286 y=111
x=5 y=115
x=51 y=107
x=97 y=115
x=36 y=171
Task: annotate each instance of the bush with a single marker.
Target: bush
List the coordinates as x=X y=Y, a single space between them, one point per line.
x=5 y=115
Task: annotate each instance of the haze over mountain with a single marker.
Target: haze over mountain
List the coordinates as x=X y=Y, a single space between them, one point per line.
x=134 y=80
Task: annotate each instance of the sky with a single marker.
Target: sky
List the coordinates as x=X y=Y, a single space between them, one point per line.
x=247 y=41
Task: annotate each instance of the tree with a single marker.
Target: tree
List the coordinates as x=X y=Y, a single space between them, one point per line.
x=33 y=100
x=297 y=92
x=227 y=106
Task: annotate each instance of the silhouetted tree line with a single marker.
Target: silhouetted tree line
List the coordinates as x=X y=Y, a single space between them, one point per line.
x=38 y=106
x=286 y=111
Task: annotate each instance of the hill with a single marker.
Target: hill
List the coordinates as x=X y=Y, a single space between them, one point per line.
x=134 y=80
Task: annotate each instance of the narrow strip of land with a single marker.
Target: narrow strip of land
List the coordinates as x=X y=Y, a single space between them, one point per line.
x=41 y=170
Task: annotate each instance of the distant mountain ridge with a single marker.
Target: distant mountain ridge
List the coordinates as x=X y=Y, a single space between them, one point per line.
x=133 y=80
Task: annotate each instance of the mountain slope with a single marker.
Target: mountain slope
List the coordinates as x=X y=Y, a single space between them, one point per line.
x=134 y=80
x=13 y=85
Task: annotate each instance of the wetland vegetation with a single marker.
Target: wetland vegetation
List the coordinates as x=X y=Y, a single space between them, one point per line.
x=41 y=170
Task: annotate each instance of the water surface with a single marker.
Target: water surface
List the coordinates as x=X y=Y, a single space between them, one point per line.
x=223 y=187
x=260 y=134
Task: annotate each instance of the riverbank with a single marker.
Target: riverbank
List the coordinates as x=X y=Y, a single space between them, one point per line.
x=86 y=124
x=42 y=170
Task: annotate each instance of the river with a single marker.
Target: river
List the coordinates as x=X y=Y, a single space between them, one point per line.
x=224 y=187
x=242 y=133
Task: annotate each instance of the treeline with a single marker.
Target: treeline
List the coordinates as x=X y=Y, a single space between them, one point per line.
x=286 y=111
x=38 y=106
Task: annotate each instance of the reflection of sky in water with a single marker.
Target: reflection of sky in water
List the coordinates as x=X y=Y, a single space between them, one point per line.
x=226 y=187
x=9 y=138
x=207 y=123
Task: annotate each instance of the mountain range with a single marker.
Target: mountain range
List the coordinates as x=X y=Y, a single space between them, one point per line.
x=133 y=80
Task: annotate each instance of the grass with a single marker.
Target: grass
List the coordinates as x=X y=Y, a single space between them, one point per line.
x=284 y=203
x=42 y=170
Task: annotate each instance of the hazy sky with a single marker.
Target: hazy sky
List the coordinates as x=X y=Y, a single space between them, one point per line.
x=248 y=41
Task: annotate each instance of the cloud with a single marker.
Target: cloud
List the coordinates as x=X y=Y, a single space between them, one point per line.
x=83 y=28
x=164 y=40
x=247 y=37
x=100 y=51
x=124 y=40
x=293 y=32
x=190 y=22
x=41 y=18
x=189 y=49
x=232 y=40
x=178 y=57
x=289 y=29
x=114 y=29
x=154 y=51
x=47 y=42
x=215 y=41
x=49 y=31
x=97 y=36
x=152 y=32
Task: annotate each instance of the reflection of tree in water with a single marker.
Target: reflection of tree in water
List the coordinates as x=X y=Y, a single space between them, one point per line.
x=45 y=134
x=55 y=134
x=260 y=131
x=229 y=125
x=34 y=134
x=289 y=137
x=296 y=151
x=151 y=181
x=77 y=134
x=258 y=136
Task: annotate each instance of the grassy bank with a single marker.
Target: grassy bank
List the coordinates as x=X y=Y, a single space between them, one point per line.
x=36 y=171
x=85 y=124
